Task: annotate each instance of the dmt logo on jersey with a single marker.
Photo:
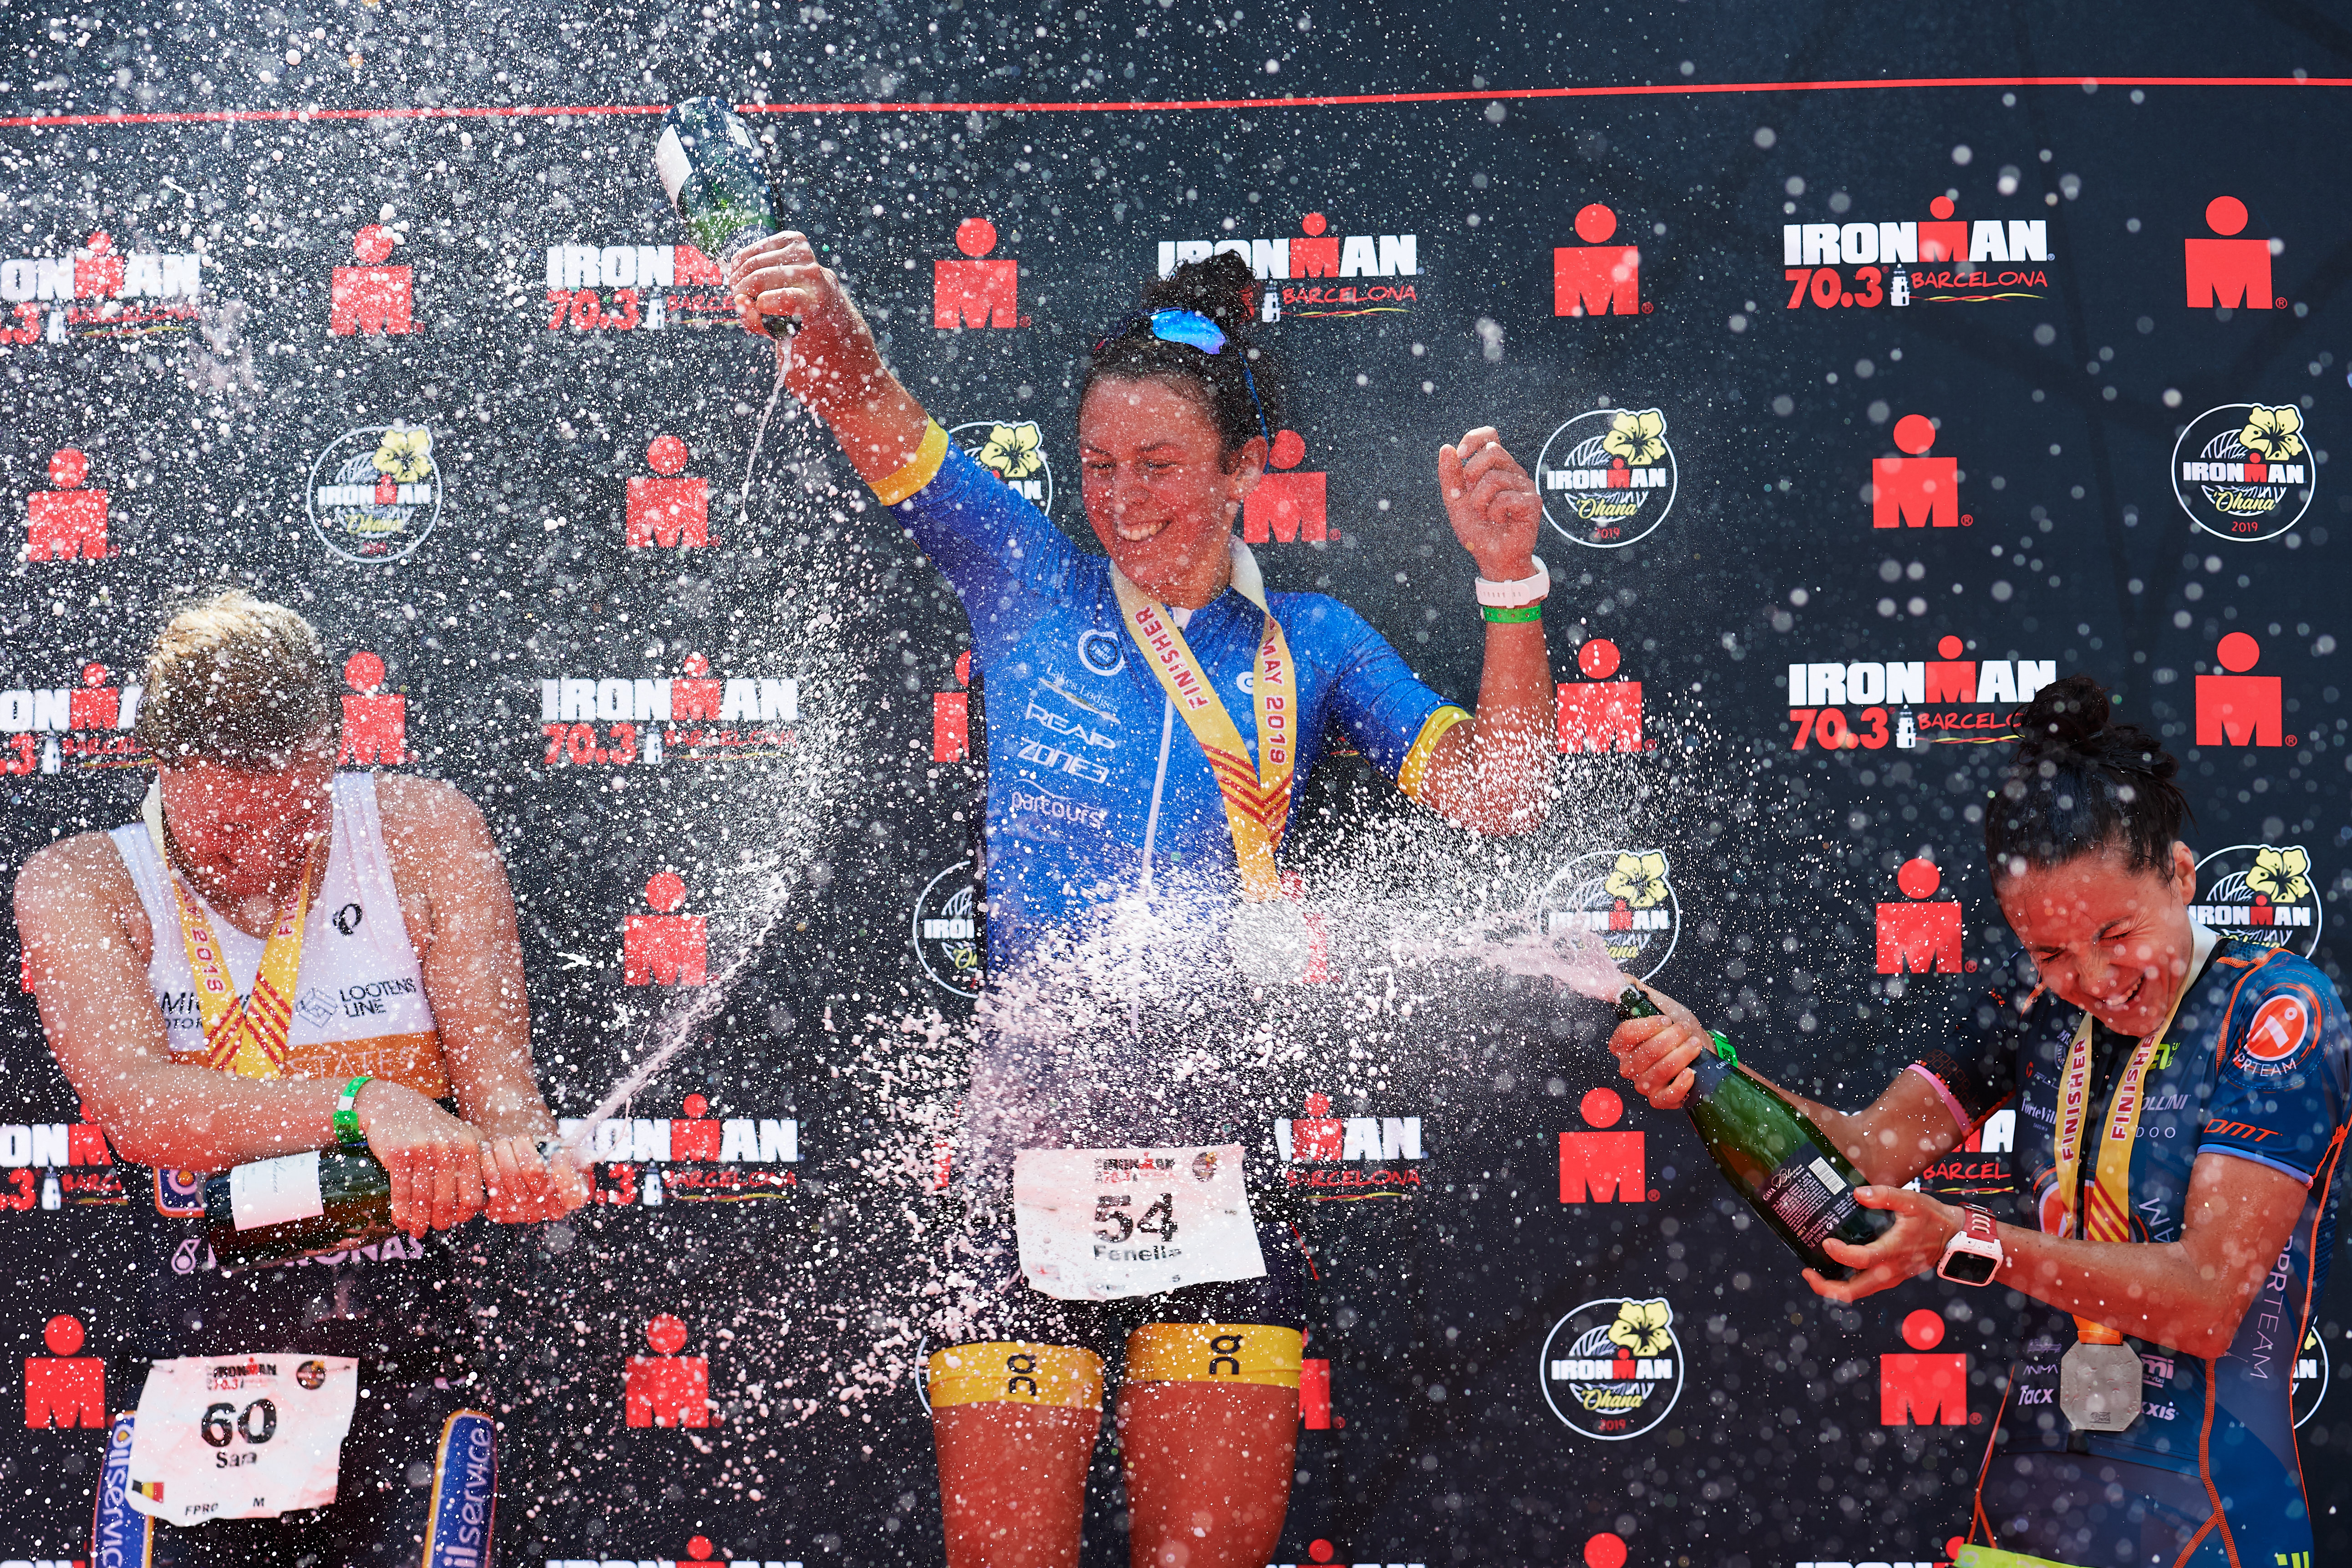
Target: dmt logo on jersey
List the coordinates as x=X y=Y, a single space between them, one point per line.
x=1956 y=699
x=2245 y=470
x=1311 y=274
x=98 y=291
x=1622 y=896
x=2262 y=893
x=1941 y=260
x=1608 y=476
x=1612 y=1369
x=1916 y=491
x=58 y=1164
x=1014 y=451
x=2236 y=709
x=976 y=292
x=52 y=728
x=614 y=721
x=2224 y=269
x=375 y=493
x=1597 y=277
x=635 y=289
x=692 y=1158
x=67 y=520
x=1383 y=1149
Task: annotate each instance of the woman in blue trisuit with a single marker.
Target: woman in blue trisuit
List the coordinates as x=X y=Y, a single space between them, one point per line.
x=2182 y=1112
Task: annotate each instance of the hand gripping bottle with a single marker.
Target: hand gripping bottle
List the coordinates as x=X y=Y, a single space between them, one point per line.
x=1774 y=1155
x=716 y=181
x=271 y=1211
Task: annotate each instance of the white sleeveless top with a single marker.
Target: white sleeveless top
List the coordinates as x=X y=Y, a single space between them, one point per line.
x=359 y=997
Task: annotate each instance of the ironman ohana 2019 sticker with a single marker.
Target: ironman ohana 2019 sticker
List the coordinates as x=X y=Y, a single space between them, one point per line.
x=947 y=932
x=2245 y=470
x=375 y=493
x=1612 y=1369
x=1014 y=451
x=2263 y=894
x=1622 y=896
x=1608 y=478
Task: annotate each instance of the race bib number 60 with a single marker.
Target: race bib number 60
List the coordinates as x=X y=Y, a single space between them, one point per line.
x=1096 y=1224
x=240 y=1436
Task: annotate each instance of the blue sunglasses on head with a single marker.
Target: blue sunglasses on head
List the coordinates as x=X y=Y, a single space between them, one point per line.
x=1194 y=331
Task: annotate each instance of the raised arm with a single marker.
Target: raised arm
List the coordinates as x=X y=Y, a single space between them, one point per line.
x=1492 y=773
x=81 y=924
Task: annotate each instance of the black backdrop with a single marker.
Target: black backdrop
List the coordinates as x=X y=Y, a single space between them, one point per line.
x=1752 y=868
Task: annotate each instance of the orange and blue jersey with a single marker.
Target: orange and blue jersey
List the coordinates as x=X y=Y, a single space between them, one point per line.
x=2257 y=1066
x=1097 y=790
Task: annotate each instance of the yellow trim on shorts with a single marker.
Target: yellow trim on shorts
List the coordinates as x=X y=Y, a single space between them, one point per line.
x=920 y=469
x=1415 y=774
x=1016 y=1372
x=1215 y=1352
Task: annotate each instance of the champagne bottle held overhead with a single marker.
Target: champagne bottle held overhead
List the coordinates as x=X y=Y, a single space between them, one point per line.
x=717 y=183
x=1774 y=1155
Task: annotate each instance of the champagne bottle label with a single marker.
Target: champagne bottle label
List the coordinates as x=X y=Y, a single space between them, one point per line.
x=272 y=1192
x=1809 y=1196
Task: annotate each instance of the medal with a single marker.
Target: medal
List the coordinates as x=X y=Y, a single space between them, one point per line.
x=2099 y=1380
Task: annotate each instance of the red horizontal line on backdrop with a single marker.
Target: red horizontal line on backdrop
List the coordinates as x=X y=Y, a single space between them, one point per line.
x=1142 y=106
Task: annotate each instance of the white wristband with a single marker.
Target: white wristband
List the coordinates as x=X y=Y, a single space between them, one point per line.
x=1510 y=595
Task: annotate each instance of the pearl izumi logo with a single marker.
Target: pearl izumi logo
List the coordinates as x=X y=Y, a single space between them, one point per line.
x=2262 y=893
x=1944 y=259
x=2245 y=470
x=1608 y=476
x=1625 y=897
x=375 y=493
x=1014 y=451
x=947 y=932
x=1612 y=1368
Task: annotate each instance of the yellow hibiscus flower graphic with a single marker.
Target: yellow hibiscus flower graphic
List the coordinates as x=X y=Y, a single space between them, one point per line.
x=1641 y=1327
x=2283 y=875
x=2274 y=434
x=1638 y=877
x=1012 y=450
x=1639 y=438
x=405 y=454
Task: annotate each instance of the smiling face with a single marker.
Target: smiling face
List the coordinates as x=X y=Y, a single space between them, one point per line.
x=2112 y=941
x=1159 y=492
x=243 y=832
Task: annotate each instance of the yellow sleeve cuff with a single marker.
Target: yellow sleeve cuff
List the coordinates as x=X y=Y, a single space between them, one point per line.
x=920 y=471
x=1415 y=772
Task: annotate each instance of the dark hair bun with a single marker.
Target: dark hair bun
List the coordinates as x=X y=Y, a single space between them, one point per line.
x=1223 y=289
x=2070 y=718
x=2080 y=784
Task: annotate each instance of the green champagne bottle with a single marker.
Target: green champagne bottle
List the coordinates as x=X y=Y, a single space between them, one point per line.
x=716 y=181
x=273 y=1211
x=1774 y=1155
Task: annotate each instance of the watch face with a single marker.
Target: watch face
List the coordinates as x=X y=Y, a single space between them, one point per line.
x=1969 y=1268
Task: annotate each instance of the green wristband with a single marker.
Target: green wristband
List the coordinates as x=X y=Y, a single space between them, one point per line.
x=1723 y=1050
x=347 y=1114
x=1503 y=614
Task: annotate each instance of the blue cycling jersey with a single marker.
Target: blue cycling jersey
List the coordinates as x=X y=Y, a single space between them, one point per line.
x=1096 y=788
x=2257 y=1066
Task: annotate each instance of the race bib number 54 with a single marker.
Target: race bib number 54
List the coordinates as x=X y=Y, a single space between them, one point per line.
x=240 y=1436
x=1096 y=1224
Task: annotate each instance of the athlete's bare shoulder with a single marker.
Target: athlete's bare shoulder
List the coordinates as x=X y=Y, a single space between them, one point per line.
x=77 y=882
x=419 y=809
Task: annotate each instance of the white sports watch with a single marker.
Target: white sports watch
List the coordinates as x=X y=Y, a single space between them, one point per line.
x=1973 y=1256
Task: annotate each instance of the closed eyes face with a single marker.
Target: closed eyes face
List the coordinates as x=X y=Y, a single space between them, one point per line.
x=243 y=832
x=2109 y=938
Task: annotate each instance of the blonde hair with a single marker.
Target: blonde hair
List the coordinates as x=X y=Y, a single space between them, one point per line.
x=237 y=680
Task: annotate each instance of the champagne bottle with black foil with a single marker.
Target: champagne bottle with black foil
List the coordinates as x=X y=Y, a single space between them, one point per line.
x=716 y=181
x=273 y=1211
x=1774 y=1155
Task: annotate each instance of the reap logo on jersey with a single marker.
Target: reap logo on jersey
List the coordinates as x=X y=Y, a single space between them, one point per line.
x=692 y=1158
x=2262 y=893
x=1608 y=476
x=99 y=291
x=1612 y=1369
x=1014 y=451
x=2286 y=1021
x=51 y=729
x=1315 y=273
x=696 y=717
x=1383 y=1151
x=374 y=493
x=631 y=288
x=2245 y=470
x=1624 y=896
x=948 y=930
x=1944 y=700
x=1941 y=260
